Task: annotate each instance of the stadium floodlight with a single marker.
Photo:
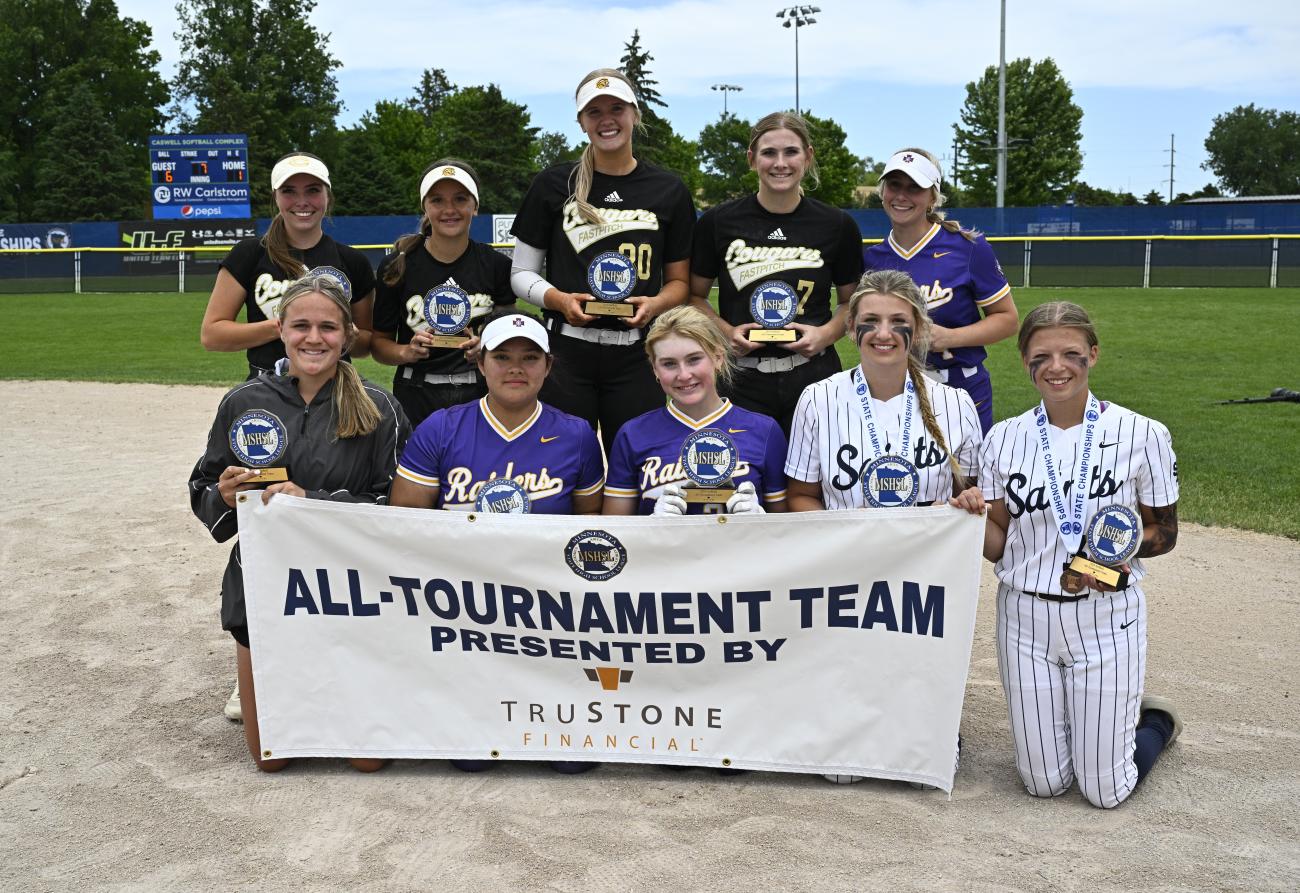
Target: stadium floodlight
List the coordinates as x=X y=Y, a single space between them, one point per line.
x=724 y=89
x=797 y=17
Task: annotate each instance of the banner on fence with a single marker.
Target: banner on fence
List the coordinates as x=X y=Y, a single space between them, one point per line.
x=173 y=234
x=35 y=236
x=821 y=642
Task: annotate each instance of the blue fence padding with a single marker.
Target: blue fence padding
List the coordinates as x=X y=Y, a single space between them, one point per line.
x=1179 y=220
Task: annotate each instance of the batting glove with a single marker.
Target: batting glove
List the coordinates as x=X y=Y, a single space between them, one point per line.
x=671 y=502
x=745 y=501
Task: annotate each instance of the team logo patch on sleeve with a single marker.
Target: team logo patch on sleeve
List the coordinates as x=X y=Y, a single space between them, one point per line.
x=595 y=555
x=258 y=438
x=773 y=304
x=447 y=309
x=611 y=276
x=337 y=275
x=503 y=496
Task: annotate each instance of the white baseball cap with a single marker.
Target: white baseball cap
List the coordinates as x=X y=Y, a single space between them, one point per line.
x=448 y=172
x=298 y=164
x=923 y=171
x=516 y=325
x=604 y=86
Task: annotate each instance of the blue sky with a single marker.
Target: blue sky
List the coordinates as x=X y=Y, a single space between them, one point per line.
x=891 y=73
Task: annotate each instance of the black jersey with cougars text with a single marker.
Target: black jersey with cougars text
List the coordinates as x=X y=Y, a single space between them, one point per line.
x=813 y=249
x=264 y=282
x=481 y=272
x=648 y=216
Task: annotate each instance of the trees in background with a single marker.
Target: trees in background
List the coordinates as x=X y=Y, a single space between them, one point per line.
x=1255 y=151
x=1043 y=133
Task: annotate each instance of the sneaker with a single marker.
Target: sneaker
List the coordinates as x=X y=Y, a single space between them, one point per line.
x=845 y=779
x=1165 y=706
x=232 y=709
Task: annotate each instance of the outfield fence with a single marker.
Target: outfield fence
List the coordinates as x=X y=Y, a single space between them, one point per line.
x=1255 y=261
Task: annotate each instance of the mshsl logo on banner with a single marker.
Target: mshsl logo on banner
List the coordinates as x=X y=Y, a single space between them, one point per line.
x=824 y=642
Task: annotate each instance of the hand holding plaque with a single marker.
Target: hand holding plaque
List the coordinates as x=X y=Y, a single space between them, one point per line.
x=611 y=278
x=709 y=458
x=447 y=310
x=773 y=305
x=1112 y=538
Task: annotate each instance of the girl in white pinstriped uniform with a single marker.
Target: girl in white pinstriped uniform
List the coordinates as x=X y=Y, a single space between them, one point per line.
x=1071 y=649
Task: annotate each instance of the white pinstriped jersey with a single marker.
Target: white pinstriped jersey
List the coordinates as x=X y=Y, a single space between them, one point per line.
x=1134 y=464
x=829 y=441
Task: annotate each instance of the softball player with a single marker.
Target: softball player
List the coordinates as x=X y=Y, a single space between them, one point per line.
x=338 y=435
x=883 y=407
x=956 y=269
x=257 y=271
x=1072 y=650
x=574 y=213
x=689 y=356
x=778 y=234
x=441 y=253
x=553 y=457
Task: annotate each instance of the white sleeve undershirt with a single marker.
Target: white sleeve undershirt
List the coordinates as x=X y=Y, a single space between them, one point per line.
x=526 y=274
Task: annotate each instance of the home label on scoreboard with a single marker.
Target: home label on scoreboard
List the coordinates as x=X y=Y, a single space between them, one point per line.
x=198 y=176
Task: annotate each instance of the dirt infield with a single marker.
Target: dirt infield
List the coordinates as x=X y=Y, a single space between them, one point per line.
x=119 y=772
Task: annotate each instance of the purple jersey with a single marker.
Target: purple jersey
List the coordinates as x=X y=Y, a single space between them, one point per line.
x=957 y=276
x=554 y=456
x=647 y=453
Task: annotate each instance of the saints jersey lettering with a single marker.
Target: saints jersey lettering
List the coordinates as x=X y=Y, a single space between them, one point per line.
x=582 y=234
x=747 y=264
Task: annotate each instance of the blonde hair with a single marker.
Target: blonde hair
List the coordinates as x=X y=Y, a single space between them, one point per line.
x=1055 y=315
x=354 y=410
x=585 y=171
x=937 y=199
x=276 y=240
x=898 y=284
x=797 y=125
x=404 y=245
x=688 y=322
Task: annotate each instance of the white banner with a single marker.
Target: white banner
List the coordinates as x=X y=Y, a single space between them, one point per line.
x=819 y=642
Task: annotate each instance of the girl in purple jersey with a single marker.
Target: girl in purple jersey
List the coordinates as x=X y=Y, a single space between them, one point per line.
x=956 y=269
x=689 y=356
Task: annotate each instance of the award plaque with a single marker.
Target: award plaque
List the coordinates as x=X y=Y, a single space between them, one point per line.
x=447 y=310
x=1112 y=538
x=709 y=458
x=610 y=278
x=891 y=482
x=258 y=439
x=773 y=305
x=337 y=275
x=503 y=496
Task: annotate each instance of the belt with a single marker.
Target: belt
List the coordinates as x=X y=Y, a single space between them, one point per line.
x=1053 y=597
x=601 y=336
x=456 y=378
x=772 y=364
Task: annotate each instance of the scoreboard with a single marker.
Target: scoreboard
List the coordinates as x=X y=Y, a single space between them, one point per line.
x=199 y=176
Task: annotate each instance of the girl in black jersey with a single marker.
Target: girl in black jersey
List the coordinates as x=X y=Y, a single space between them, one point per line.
x=609 y=201
x=256 y=272
x=780 y=235
x=430 y=378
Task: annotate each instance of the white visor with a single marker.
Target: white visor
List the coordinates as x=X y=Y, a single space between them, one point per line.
x=923 y=171
x=298 y=164
x=604 y=86
x=516 y=325
x=448 y=172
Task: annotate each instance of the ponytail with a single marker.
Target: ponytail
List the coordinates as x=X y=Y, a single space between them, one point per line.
x=404 y=245
x=276 y=243
x=580 y=181
x=356 y=412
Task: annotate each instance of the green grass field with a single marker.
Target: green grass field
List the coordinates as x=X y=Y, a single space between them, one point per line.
x=1165 y=353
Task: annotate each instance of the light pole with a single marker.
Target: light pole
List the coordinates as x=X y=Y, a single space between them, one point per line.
x=725 y=89
x=1002 y=108
x=797 y=17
